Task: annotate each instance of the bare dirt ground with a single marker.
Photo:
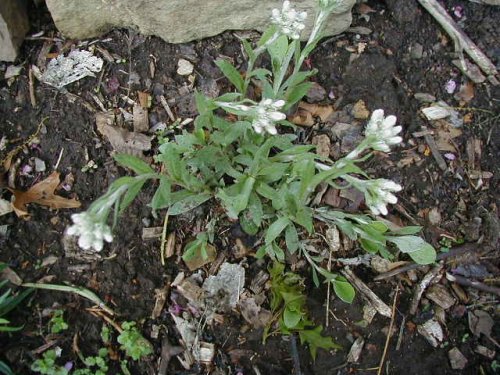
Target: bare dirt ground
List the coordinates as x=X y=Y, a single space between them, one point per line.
x=396 y=50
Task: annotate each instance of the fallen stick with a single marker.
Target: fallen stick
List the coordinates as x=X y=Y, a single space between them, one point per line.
x=456 y=251
x=473 y=284
x=366 y=293
x=32 y=88
x=422 y=286
x=435 y=152
x=461 y=40
x=389 y=334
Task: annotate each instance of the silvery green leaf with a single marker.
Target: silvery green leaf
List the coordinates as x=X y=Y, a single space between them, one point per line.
x=424 y=255
x=407 y=244
x=138 y=165
x=248 y=49
x=231 y=73
x=276 y=228
x=278 y=49
x=291 y=238
x=407 y=230
x=188 y=203
x=296 y=93
x=161 y=198
x=131 y=193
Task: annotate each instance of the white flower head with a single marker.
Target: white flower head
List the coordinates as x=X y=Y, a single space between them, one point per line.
x=267 y=114
x=382 y=131
x=290 y=22
x=379 y=193
x=90 y=230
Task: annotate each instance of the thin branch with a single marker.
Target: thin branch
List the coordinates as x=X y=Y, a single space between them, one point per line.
x=389 y=334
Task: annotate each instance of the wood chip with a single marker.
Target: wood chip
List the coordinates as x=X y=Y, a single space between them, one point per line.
x=355 y=351
x=359 y=111
x=457 y=359
x=432 y=331
x=440 y=295
x=151 y=233
x=198 y=261
x=141 y=118
x=323 y=144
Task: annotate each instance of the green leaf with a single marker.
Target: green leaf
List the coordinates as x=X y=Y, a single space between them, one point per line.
x=247 y=224
x=299 y=77
x=188 y=203
x=407 y=244
x=278 y=252
x=235 y=203
x=315 y=277
x=276 y=228
x=170 y=157
x=424 y=255
x=138 y=165
x=5 y=369
x=248 y=49
x=273 y=172
x=131 y=193
x=260 y=73
x=291 y=238
x=291 y=318
x=267 y=35
x=264 y=190
x=286 y=155
x=255 y=209
x=370 y=246
x=232 y=74
x=261 y=252
x=229 y=97
x=313 y=338
x=379 y=226
x=161 y=199
x=304 y=217
x=413 y=229
x=343 y=290
x=296 y=93
x=277 y=50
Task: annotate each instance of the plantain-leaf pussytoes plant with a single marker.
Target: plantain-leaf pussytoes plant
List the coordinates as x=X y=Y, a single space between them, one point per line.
x=242 y=154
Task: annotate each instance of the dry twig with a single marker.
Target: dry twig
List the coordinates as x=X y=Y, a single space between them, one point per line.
x=389 y=334
x=461 y=40
x=366 y=293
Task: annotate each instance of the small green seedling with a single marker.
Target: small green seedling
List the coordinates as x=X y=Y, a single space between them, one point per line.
x=133 y=343
x=57 y=323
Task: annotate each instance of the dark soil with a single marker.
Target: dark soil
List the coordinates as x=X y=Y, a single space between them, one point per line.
x=385 y=75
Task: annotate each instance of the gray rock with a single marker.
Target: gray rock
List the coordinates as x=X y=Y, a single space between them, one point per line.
x=179 y=21
x=457 y=359
x=13 y=27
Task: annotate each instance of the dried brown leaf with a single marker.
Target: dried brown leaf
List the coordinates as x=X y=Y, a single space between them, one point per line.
x=466 y=92
x=121 y=140
x=42 y=193
x=307 y=112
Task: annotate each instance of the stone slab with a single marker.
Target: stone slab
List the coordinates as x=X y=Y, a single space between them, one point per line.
x=179 y=21
x=13 y=27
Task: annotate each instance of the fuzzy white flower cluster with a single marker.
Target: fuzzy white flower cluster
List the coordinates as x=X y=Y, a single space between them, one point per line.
x=382 y=131
x=290 y=22
x=91 y=232
x=379 y=194
x=267 y=113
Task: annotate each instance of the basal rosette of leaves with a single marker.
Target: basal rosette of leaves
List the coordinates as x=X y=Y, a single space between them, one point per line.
x=240 y=155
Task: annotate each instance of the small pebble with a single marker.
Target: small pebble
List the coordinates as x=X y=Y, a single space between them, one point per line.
x=39 y=165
